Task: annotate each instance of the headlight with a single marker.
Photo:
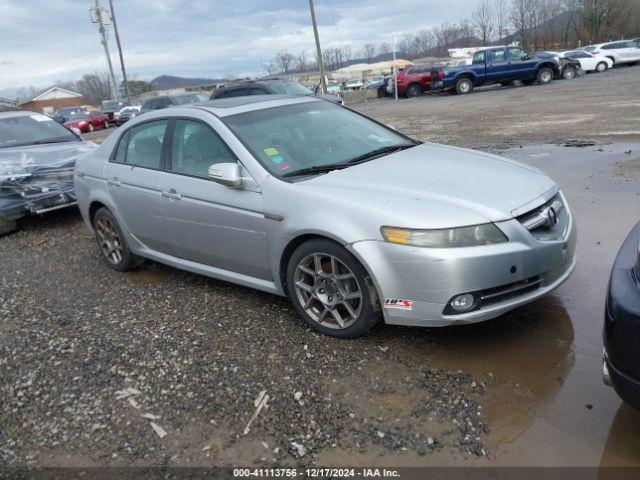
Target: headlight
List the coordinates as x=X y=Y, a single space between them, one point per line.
x=473 y=236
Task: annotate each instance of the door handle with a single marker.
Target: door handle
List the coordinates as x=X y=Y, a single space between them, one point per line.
x=172 y=194
x=114 y=181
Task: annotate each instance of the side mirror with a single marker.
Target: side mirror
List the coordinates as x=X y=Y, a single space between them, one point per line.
x=227 y=174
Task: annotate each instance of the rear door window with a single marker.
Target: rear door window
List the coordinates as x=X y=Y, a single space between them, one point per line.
x=497 y=56
x=144 y=145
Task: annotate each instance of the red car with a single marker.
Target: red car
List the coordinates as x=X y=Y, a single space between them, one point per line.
x=87 y=121
x=415 y=80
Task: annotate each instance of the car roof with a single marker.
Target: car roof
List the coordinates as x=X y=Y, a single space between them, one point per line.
x=18 y=113
x=224 y=107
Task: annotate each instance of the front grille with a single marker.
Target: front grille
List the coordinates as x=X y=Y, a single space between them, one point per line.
x=506 y=292
x=539 y=221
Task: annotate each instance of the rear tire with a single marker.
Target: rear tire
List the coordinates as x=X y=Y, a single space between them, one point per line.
x=413 y=90
x=331 y=290
x=464 y=86
x=601 y=67
x=544 y=76
x=112 y=243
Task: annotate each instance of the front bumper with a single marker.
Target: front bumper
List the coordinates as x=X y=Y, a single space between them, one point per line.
x=427 y=279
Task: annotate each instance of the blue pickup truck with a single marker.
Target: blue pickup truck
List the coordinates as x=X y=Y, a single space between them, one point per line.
x=499 y=65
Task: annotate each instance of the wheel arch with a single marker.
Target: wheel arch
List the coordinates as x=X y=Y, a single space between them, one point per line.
x=94 y=207
x=305 y=237
x=554 y=67
x=469 y=75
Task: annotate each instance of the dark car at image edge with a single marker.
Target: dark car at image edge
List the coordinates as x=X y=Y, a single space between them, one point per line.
x=271 y=86
x=621 y=362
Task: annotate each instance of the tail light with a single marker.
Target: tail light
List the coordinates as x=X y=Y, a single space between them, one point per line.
x=440 y=74
x=596 y=52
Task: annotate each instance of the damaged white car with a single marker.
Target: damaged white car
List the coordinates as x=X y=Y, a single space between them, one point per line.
x=37 y=157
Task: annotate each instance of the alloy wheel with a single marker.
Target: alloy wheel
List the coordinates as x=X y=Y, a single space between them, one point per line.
x=328 y=290
x=545 y=76
x=109 y=240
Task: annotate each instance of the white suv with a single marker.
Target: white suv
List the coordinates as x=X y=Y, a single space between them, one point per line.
x=624 y=51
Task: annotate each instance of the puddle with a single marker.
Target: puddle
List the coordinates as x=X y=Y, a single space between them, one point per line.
x=149 y=274
x=579 y=143
x=545 y=401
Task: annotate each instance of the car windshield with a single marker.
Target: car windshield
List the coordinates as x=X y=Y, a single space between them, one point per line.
x=68 y=110
x=314 y=134
x=290 y=88
x=590 y=48
x=32 y=130
x=332 y=83
x=111 y=105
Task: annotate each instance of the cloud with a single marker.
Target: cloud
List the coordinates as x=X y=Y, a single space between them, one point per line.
x=49 y=40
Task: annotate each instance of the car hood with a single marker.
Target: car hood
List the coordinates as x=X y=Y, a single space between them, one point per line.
x=435 y=186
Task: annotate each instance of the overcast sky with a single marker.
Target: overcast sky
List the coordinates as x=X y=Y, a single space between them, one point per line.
x=45 y=40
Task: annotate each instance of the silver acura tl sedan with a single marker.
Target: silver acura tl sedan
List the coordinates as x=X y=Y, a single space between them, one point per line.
x=349 y=218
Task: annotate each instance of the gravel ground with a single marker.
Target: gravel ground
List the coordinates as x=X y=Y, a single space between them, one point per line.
x=592 y=106
x=91 y=359
x=195 y=354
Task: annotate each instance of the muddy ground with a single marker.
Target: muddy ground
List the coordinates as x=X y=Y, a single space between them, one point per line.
x=195 y=353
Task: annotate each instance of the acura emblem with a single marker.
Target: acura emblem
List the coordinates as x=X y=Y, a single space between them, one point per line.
x=551 y=217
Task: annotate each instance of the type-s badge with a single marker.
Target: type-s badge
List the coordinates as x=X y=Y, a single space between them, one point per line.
x=398 y=303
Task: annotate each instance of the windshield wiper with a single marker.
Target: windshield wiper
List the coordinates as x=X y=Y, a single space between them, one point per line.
x=315 y=169
x=379 y=152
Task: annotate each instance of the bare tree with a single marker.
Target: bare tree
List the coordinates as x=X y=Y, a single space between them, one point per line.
x=284 y=60
x=384 y=48
x=269 y=67
x=483 y=20
x=501 y=15
x=25 y=92
x=368 y=52
x=301 y=61
x=347 y=54
x=519 y=15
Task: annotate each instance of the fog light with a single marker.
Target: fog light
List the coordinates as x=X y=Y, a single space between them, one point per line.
x=462 y=303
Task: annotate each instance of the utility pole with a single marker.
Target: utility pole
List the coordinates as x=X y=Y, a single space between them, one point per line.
x=395 y=69
x=97 y=17
x=318 y=49
x=115 y=32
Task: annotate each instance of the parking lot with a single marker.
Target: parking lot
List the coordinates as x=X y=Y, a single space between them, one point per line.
x=195 y=353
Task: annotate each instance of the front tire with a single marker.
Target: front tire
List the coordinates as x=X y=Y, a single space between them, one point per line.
x=112 y=243
x=544 y=76
x=569 y=73
x=601 y=67
x=91 y=127
x=464 y=86
x=331 y=290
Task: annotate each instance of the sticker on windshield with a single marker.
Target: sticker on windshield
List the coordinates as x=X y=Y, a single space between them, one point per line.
x=271 y=151
x=283 y=166
x=38 y=117
x=277 y=159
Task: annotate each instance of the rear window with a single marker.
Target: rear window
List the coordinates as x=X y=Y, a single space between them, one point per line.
x=291 y=88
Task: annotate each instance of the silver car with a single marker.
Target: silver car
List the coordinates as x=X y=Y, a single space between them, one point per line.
x=349 y=218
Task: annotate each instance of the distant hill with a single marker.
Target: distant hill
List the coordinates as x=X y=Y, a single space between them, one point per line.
x=166 y=82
